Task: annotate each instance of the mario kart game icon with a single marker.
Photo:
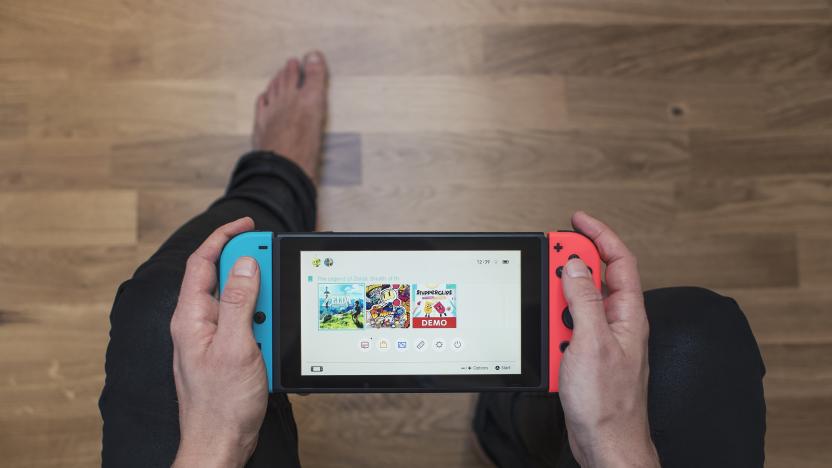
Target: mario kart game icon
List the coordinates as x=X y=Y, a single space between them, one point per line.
x=388 y=305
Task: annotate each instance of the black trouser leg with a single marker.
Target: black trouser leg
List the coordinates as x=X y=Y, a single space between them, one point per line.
x=705 y=400
x=138 y=403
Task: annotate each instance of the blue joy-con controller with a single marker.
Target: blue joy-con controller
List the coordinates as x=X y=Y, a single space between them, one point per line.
x=256 y=244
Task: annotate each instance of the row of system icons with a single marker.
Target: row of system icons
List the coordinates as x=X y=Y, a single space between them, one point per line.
x=403 y=344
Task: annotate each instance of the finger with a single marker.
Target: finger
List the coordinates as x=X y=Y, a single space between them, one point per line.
x=622 y=278
x=200 y=278
x=237 y=302
x=585 y=303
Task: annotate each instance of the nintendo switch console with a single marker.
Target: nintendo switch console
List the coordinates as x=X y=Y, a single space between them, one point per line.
x=396 y=312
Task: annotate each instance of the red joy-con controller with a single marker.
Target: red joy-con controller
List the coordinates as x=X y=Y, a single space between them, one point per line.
x=563 y=246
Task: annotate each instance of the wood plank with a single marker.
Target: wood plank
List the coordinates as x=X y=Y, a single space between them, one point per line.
x=437 y=103
x=90 y=217
x=798 y=432
x=510 y=158
x=776 y=204
x=787 y=316
x=715 y=260
x=403 y=206
x=159 y=52
x=69 y=109
x=798 y=370
x=192 y=161
x=748 y=154
x=207 y=161
x=660 y=51
x=634 y=104
x=161 y=211
x=325 y=14
x=48 y=414
x=799 y=104
x=64 y=275
x=444 y=425
x=60 y=164
x=14 y=110
x=815 y=250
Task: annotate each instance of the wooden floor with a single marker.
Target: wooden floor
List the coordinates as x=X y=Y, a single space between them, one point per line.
x=701 y=130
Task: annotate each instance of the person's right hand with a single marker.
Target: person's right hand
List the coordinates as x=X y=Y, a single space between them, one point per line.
x=217 y=367
x=603 y=374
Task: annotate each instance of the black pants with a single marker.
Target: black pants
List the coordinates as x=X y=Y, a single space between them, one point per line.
x=706 y=400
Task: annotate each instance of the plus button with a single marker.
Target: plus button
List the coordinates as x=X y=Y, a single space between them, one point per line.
x=558 y=247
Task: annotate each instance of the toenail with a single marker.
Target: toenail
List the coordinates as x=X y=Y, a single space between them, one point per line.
x=313 y=57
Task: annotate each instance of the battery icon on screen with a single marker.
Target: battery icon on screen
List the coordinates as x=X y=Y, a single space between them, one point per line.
x=505 y=262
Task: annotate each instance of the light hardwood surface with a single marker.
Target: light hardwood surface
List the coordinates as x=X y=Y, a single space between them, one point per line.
x=700 y=130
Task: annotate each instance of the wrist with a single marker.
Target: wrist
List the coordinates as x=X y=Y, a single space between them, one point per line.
x=213 y=451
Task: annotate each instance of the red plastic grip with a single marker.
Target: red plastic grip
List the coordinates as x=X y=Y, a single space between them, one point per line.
x=562 y=245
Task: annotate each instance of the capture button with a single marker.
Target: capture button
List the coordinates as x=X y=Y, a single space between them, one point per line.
x=566 y=316
x=563 y=345
x=259 y=317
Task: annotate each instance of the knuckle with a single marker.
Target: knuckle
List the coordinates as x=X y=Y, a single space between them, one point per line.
x=191 y=262
x=589 y=295
x=235 y=296
x=176 y=330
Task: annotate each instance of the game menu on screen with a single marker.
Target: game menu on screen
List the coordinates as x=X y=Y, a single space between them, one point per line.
x=410 y=312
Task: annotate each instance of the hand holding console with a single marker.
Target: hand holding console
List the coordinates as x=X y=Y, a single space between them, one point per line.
x=493 y=300
x=603 y=374
x=219 y=374
x=603 y=377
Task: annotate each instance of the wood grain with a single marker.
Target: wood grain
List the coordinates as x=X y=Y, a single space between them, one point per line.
x=787 y=316
x=660 y=51
x=716 y=260
x=524 y=157
x=485 y=208
x=755 y=205
x=815 y=250
x=62 y=275
x=54 y=164
x=94 y=217
x=161 y=211
x=745 y=154
x=797 y=431
x=799 y=104
x=597 y=102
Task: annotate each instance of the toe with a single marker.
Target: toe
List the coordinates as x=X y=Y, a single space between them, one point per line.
x=315 y=72
x=292 y=75
x=274 y=85
x=262 y=100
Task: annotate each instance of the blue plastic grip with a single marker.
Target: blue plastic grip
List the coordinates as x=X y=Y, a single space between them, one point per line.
x=250 y=244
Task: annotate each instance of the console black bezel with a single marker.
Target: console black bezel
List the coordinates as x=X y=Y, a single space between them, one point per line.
x=534 y=306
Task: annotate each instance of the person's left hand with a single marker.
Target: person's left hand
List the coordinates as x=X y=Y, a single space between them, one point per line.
x=219 y=373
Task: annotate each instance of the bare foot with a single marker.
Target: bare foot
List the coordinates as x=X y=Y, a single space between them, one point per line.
x=291 y=113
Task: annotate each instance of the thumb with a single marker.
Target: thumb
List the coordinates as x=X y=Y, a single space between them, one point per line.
x=238 y=299
x=586 y=304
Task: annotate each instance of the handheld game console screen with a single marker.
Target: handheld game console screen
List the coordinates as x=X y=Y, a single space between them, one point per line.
x=410 y=312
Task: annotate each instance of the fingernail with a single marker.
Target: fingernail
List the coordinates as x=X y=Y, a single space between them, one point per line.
x=245 y=266
x=313 y=57
x=576 y=268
